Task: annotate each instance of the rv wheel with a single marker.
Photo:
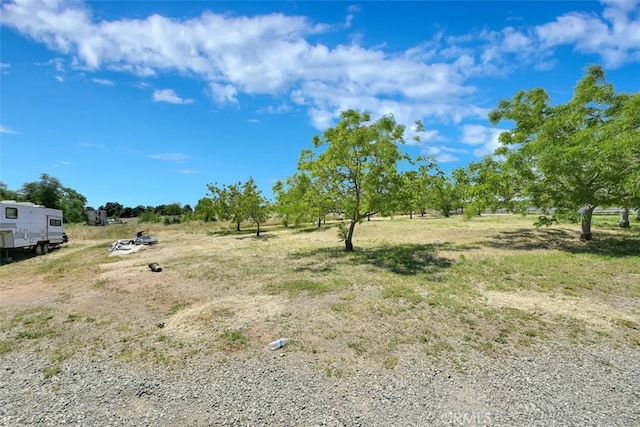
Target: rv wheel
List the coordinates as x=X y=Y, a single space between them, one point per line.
x=38 y=249
x=45 y=248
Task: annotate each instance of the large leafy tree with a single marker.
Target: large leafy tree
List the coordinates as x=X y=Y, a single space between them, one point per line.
x=46 y=192
x=114 y=209
x=357 y=163
x=578 y=155
x=50 y=192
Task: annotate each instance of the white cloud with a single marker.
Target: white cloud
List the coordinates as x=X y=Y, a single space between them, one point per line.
x=174 y=157
x=103 y=82
x=263 y=54
x=615 y=36
x=271 y=54
x=4 y=129
x=484 y=138
x=187 y=171
x=168 y=95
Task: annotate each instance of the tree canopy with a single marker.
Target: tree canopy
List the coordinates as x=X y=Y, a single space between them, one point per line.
x=575 y=156
x=356 y=162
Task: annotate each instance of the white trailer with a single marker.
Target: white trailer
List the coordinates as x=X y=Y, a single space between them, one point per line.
x=27 y=226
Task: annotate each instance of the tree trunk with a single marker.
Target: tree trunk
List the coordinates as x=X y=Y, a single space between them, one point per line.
x=624 y=218
x=586 y=223
x=410 y=214
x=319 y=221
x=258 y=230
x=348 y=242
x=238 y=226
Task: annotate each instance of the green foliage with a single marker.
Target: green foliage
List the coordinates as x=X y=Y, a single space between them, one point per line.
x=227 y=202
x=578 y=155
x=149 y=216
x=236 y=203
x=234 y=339
x=254 y=206
x=51 y=371
x=6 y=194
x=299 y=199
x=343 y=231
x=205 y=210
x=114 y=209
x=50 y=192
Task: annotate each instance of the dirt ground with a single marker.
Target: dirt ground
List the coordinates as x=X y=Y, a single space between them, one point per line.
x=218 y=282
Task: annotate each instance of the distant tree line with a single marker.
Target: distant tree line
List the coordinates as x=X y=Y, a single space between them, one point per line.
x=564 y=160
x=50 y=192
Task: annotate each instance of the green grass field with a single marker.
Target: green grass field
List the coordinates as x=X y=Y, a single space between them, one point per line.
x=443 y=287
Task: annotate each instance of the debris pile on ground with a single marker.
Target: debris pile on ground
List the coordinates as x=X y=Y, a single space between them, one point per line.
x=127 y=246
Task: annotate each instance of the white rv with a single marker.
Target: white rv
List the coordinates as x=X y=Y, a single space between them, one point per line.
x=27 y=226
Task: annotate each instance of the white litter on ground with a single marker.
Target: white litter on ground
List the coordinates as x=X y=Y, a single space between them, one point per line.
x=124 y=246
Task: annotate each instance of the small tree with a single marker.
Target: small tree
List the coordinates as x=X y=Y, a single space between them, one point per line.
x=205 y=210
x=292 y=201
x=255 y=207
x=357 y=165
x=227 y=202
x=174 y=210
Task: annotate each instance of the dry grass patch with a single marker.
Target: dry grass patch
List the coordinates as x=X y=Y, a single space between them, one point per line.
x=433 y=285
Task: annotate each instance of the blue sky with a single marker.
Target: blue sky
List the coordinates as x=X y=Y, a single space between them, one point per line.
x=147 y=102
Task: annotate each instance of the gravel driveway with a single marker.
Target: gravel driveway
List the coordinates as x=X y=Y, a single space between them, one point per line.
x=559 y=386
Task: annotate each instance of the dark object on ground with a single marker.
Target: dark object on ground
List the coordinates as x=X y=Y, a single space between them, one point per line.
x=65 y=238
x=142 y=239
x=155 y=267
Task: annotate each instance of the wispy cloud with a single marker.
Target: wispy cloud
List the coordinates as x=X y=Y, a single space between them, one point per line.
x=4 y=129
x=187 y=171
x=91 y=145
x=175 y=157
x=168 y=95
x=103 y=82
x=61 y=163
x=4 y=68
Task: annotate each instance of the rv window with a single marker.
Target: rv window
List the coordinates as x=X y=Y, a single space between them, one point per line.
x=11 y=213
x=55 y=222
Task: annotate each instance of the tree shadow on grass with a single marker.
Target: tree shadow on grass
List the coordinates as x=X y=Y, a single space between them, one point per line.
x=243 y=234
x=406 y=259
x=314 y=228
x=611 y=244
